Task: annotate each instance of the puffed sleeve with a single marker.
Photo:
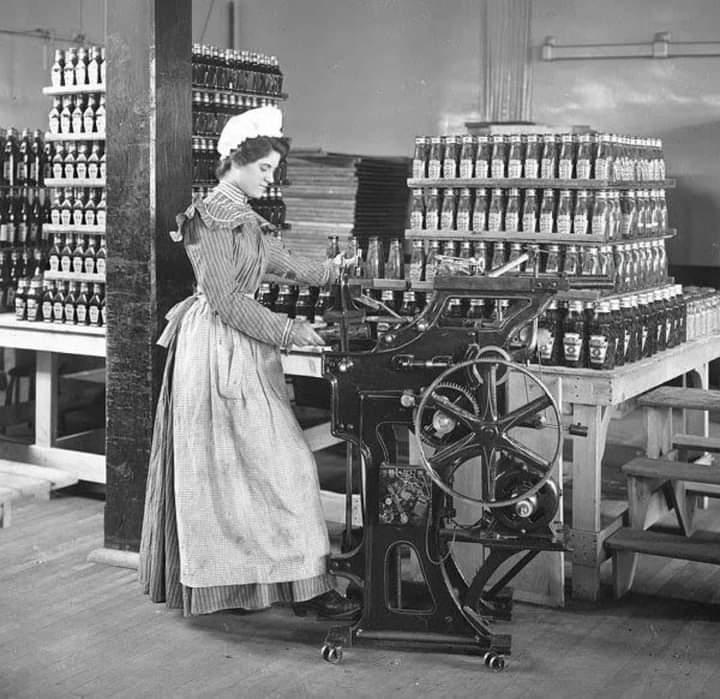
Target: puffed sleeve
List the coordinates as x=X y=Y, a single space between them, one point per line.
x=295 y=268
x=220 y=277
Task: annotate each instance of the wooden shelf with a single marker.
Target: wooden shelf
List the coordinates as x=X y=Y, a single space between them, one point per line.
x=74 y=182
x=75 y=136
x=523 y=183
x=98 y=88
x=87 y=230
x=74 y=277
x=521 y=237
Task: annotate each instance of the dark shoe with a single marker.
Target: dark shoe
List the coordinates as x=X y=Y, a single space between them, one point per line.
x=329 y=605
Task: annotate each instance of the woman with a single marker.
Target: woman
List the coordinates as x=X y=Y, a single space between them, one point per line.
x=232 y=515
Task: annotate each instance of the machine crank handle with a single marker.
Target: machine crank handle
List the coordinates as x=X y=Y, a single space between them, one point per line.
x=578 y=430
x=406 y=362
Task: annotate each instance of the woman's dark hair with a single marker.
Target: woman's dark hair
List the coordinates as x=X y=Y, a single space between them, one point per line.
x=253 y=149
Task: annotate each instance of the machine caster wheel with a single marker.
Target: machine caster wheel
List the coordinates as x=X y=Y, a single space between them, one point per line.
x=494 y=661
x=332 y=654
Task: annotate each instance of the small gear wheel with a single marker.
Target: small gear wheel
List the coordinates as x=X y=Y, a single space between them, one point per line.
x=438 y=428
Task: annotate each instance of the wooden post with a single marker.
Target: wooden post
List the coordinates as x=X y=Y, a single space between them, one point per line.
x=148 y=50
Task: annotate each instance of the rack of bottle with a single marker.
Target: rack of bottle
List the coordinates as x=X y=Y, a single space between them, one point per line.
x=227 y=82
x=58 y=274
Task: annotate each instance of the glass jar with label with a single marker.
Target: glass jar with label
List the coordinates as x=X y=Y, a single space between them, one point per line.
x=483 y=158
x=571 y=263
x=495 y=211
x=547 y=212
x=498 y=164
x=581 y=219
x=512 y=212
x=573 y=336
x=435 y=158
x=480 y=211
x=529 y=212
x=515 y=157
x=601 y=338
x=566 y=157
x=467 y=156
x=548 y=161
x=447 y=210
x=451 y=157
x=584 y=158
x=432 y=210
x=531 y=162
x=563 y=217
x=463 y=215
x=599 y=218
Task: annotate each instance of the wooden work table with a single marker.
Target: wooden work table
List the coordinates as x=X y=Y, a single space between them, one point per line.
x=49 y=341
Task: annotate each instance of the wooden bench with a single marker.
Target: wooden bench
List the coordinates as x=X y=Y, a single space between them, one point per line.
x=655 y=487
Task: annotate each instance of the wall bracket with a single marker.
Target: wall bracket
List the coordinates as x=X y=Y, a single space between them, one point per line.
x=661 y=46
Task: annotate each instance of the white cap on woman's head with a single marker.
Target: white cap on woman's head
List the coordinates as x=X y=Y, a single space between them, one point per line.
x=263 y=121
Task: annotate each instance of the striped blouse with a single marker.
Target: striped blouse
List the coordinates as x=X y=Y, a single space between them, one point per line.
x=230 y=250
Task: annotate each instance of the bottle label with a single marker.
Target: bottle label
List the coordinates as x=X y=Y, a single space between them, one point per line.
x=22 y=172
x=92 y=171
x=416 y=220
x=94 y=315
x=462 y=222
x=433 y=169
x=4 y=233
x=77 y=122
x=466 y=169
x=580 y=224
x=88 y=124
x=478 y=221
x=497 y=168
x=545 y=350
x=89 y=217
x=449 y=168
x=532 y=169
x=601 y=169
x=54 y=263
x=599 y=225
x=100 y=123
x=58 y=312
x=77 y=264
x=69 y=313
x=100 y=265
x=77 y=217
x=416 y=270
x=547 y=168
x=65 y=217
x=494 y=221
x=89 y=265
x=598 y=348
x=47 y=311
x=57 y=170
x=529 y=223
x=446 y=220
x=100 y=218
x=515 y=168
x=572 y=346
x=546 y=223
x=563 y=224
x=582 y=169
x=418 y=171
x=54 y=125
x=480 y=266
x=69 y=170
x=8 y=171
x=102 y=169
x=20 y=308
x=81 y=169
x=65 y=264
x=65 y=124
x=512 y=221
x=33 y=310
x=565 y=169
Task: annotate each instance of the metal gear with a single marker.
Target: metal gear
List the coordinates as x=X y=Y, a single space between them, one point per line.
x=437 y=427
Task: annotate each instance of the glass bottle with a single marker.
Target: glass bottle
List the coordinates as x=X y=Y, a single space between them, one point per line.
x=512 y=212
x=409 y=306
x=495 y=211
x=66 y=115
x=20 y=301
x=601 y=339
x=416 y=272
x=100 y=257
x=451 y=157
x=56 y=71
x=447 y=210
x=93 y=68
x=515 y=157
x=571 y=265
x=93 y=162
x=498 y=256
x=599 y=218
x=573 y=336
x=498 y=163
x=566 y=157
x=550 y=321
x=76 y=119
x=531 y=164
x=66 y=207
x=603 y=158
x=580 y=219
x=552 y=261
x=530 y=212
x=547 y=212
x=100 y=210
x=374 y=265
x=69 y=67
x=464 y=211
x=54 y=117
x=479 y=258
x=394 y=266
x=46 y=302
x=584 y=160
x=88 y=116
x=432 y=262
x=419 y=164
x=417 y=210
x=100 y=115
x=81 y=304
x=304 y=306
x=480 y=210
x=78 y=255
x=483 y=158
x=467 y=157
x=548 y=161
x=59 y=303
x=564 y=213
x=432 y=210
x=435 y=155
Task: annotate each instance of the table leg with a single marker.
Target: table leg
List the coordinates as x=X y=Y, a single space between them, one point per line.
x=46 y=399
x=587 y=540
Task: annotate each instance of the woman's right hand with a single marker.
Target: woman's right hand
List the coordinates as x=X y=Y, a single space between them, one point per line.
x=303 y=334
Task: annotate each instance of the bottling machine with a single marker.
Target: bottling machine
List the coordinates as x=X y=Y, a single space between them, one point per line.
x=443 y=417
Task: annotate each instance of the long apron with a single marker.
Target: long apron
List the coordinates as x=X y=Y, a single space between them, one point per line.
x=243 y=479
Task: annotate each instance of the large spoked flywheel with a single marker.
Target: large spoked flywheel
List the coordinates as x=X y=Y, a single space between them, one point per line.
x=494 y=416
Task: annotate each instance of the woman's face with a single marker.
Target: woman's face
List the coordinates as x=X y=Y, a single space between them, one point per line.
x=254 y=178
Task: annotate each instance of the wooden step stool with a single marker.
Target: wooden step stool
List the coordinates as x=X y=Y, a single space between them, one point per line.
x=654 y=487
x=18 y=480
